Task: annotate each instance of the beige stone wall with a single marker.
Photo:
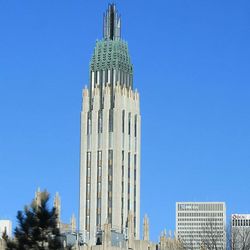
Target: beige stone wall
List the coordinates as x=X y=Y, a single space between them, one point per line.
x=117 y=141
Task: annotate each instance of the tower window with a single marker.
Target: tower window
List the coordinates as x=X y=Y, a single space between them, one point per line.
x=134 y=225
x=95 y=76
x=88 y=176
x=89 y=124
x=128 y=182
x=100 y=121
x=123 y=121
x=135 y=132
x=111 y=120
x=99 y=187
x=112 y=76
x=135 y=162
x=110 y=184
x=129 y=123
x=122 y=199
x=106 y=76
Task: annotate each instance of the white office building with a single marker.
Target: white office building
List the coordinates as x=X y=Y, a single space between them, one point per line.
x=240 y=231
x=110 y=137
x=6 y=226
x=201 y=225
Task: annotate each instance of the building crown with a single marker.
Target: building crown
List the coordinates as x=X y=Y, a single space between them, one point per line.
x=110 y=63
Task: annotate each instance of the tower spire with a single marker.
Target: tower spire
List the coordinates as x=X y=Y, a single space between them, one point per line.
x=111 y=24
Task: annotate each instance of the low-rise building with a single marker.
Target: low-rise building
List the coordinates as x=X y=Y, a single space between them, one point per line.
x=240 y=231
x=201 y=225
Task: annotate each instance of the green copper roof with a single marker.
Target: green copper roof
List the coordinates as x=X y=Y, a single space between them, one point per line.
x=111 y=54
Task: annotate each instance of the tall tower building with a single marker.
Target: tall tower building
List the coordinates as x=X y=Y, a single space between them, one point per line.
x=110 y=137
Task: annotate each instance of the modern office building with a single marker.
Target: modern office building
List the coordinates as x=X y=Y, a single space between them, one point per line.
x=110 y=137
x=240 y=231
x=201 y=225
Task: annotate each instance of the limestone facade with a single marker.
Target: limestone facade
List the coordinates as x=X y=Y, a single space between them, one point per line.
x=110 y=161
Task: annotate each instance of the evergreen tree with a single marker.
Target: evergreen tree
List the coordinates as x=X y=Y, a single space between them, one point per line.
x=37 y=227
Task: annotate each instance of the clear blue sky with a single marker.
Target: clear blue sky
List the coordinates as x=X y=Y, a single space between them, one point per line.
x=192 y=68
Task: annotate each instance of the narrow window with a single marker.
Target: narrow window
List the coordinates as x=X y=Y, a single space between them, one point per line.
x=99 y=191
x=110 y=184
x=135 y=132
x=100 y=121
x=123 y=121
x=128 y=182
x=95 y=76
x=88 y=190
x=122 y=199
x=111 y=120
x=129 y=123
x=112 y=76
x=135 y=183
x=89 y=124
x=134 y=225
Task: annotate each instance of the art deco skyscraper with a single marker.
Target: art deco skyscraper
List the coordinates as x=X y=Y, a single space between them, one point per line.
x=110 y=137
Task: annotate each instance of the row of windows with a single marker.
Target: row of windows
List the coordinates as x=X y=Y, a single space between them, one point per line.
x=112 y=76
x=99 y=162
x=200 y=214
x=201 y=206
x=104 y=77
x=110 y=141
x=192 y=233
x=198 y=238
x=195 y=247
x=110 y=162
x=240 y=223
x=129 y=123
x=200 y=224
x=111 y=121
x=201 y=219
x=196 y=244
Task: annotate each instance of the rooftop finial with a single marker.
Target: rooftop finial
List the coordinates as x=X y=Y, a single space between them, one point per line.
x=111 y=24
